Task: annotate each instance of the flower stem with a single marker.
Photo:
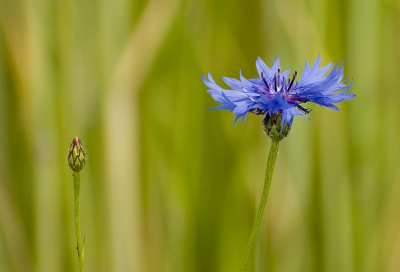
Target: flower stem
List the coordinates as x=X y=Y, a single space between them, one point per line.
x=273 y=153
x=77 y=185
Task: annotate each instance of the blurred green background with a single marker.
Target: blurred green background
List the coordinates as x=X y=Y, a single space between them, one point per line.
x=170 y=186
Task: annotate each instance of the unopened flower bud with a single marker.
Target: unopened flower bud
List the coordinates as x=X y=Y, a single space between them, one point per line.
x=76 y=155
x=273 y=127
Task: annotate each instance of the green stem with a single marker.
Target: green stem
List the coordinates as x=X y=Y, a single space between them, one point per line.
x=77 y=185
x=273 y=153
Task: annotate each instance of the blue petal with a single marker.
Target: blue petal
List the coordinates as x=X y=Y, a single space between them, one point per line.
x=332 y=107
x=289 y=114
x=275 y=103
x=233 y=83
x=240 y=116
x=285 y=74
x=258 y=82
x=229 y=107
x=313 y=76
x=262 y=68
x=275 y=67
x=265 y=100
x=243 y=107
x=247 y=85
x=233 y=96
x=226 y=104
x=210 y=82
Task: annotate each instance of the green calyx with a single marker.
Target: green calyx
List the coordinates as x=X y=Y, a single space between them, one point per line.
x=273 y=128
x=76 y=155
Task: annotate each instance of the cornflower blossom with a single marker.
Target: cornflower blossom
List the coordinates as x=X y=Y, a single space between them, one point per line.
x=274 y=92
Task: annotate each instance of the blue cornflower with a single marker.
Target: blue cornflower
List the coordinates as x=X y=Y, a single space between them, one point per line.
x=274 y=93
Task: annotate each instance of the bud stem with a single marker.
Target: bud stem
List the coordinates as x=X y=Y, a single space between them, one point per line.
x=273 y=153
x=80 y=248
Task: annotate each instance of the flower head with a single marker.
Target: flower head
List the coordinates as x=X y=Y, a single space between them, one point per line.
x=76 y=155
x=275 y=93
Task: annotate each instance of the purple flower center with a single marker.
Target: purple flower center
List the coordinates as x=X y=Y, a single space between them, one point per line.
x=280 y=87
